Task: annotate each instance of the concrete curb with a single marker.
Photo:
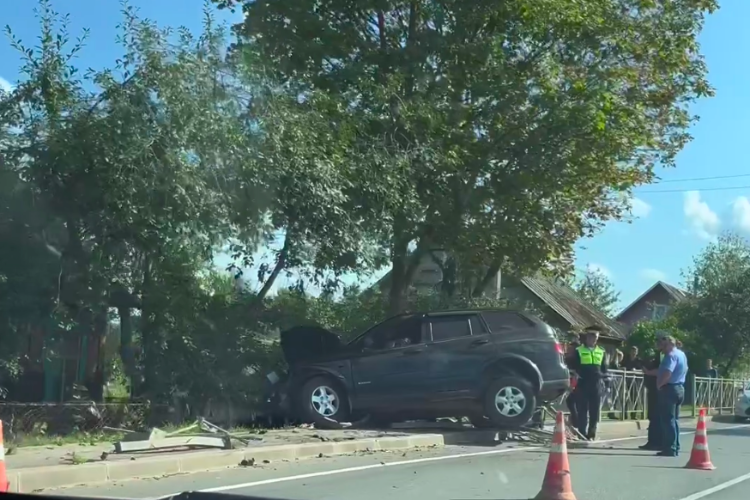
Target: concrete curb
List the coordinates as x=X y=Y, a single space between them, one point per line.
x=28 y=480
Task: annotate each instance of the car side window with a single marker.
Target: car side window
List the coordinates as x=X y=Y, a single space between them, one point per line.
x=404 y=332
x=449 y=327
x=499 y=321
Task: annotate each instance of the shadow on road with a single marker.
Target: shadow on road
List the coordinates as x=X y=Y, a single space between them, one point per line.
x=724 y=419
x=607 y=448
x=682 y=467
x=464 y=437
x=742 y=431
x=605 y=454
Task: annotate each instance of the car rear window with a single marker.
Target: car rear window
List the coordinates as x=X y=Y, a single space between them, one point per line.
x=505 y=320
x=449 y=327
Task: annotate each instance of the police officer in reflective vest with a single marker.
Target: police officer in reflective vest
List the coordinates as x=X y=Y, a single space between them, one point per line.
x=589 y=362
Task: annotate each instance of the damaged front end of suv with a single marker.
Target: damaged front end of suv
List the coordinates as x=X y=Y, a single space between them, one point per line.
x=300 y=345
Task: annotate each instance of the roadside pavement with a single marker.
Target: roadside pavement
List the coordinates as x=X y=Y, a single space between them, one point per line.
x=40 y=456
x=32 y=469
x=29 y=470
x=611 y=470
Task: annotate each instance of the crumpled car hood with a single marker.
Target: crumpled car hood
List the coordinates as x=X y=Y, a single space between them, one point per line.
x=308 y=343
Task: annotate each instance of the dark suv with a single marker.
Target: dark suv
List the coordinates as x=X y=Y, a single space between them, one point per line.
x=493 y=366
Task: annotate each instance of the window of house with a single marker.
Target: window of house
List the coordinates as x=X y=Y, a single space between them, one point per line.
x=659 y=311
x=449 y=327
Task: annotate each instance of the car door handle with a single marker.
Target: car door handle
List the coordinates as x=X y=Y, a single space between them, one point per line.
x=480 y=342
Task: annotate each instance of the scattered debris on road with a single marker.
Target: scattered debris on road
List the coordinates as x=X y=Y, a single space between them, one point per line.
x=212 y=436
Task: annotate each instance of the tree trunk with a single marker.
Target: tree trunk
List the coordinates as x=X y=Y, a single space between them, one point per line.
x=126 y=343
x=486 y=279
x=397 y=302
x=149 y=331
x=280 y=265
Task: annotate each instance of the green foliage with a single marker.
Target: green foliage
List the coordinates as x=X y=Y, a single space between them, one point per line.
x=343 y=138
x=718 y=312
x=643 y=335
x=597 y=289
x=714 y=320
x=124 y=191
x=502 y=132
x=718 y=265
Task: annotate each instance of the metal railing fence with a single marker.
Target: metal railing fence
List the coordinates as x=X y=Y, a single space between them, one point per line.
x=625 y=396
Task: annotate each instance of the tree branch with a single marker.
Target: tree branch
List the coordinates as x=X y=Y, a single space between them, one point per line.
x=280 y=265
x=487 y=278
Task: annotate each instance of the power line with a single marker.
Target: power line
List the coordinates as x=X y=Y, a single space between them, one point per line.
x=726 y=188
x=704 y=178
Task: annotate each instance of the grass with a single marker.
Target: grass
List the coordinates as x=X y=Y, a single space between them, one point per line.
x=78 y=438
x=97 y=438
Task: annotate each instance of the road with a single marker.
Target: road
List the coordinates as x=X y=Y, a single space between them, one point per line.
x=612 y=470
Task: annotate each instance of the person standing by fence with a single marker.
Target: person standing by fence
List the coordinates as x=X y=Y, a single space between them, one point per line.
x=631 y=384
x=670 y=382
x=570 y=401
x=711 y=372
x=633 y=361
x=655 y=433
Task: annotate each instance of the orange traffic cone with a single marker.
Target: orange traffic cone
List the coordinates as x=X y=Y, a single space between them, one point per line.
x=4 y=484
x=557 y=485
x=700 y=459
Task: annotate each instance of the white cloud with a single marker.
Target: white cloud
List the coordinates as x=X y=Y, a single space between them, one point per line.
x=5 y=84
x=652 y=274
x=598 y=268
x=741 y=214
x=703 y=221
x=639 y=208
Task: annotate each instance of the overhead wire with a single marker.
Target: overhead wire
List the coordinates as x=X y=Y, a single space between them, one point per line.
x=701 y=189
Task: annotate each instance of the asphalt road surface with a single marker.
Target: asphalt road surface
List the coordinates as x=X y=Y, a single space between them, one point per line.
x=612 y=470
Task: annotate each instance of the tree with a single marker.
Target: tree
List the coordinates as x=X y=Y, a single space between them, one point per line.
x=644 y=333
x=718 y=311
x=597 y=289
x=134 y=181
x=718 y=265
x=300 y=188
x=502 y=132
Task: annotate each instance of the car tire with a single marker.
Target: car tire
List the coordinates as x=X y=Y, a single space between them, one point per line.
x=509 y=401
x=323 y=402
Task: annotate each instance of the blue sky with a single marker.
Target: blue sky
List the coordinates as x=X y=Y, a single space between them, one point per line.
x=670 y=226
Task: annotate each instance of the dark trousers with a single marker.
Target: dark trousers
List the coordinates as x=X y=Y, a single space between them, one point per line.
x=588 y=401
x=570 y=401
x=671 y=398
x=655 y=432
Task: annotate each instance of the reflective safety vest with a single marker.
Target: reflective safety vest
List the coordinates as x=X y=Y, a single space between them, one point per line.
x=593 y=356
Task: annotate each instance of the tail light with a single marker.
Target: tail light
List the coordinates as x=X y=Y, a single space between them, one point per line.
x=559 y=348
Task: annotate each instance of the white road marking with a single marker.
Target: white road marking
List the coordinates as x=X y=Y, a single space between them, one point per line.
x=717 y=488
x=333 y=472
x=363 y=467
